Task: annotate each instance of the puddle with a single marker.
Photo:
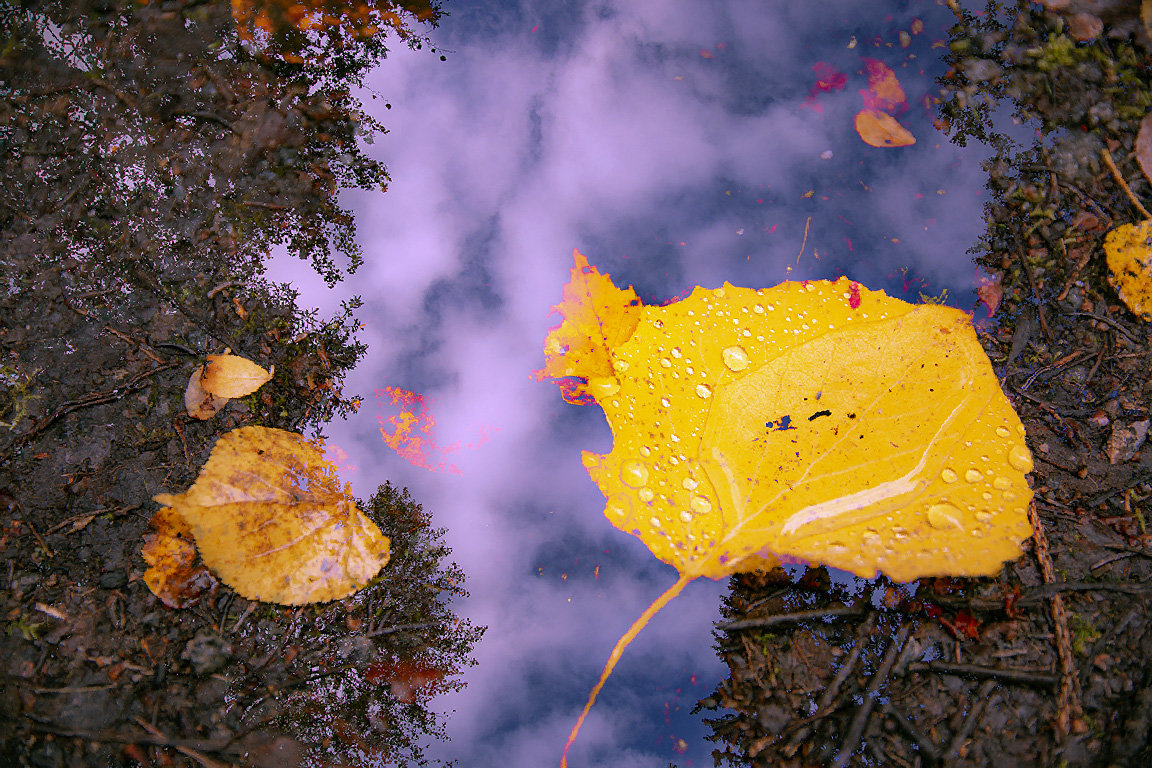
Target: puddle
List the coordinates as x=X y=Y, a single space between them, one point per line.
x=674 y=148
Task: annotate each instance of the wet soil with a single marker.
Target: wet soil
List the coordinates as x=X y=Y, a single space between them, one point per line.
x=147 y=167
x=1050 y=663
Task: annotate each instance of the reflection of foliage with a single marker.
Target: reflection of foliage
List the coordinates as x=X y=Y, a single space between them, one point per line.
x=403 y=617
x=329 y=37
x=134 y=135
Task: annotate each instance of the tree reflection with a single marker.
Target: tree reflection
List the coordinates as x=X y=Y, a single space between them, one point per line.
x=152 y=154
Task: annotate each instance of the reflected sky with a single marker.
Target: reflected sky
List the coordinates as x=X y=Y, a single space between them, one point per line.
x=675 y=144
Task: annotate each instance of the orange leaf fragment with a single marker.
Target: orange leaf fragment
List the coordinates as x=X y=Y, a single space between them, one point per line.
x=880 y=129
x=818 y=420
x=884 y=90
x=175 y=573
x=271 y=520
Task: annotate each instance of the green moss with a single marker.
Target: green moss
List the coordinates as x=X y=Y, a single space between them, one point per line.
x=1083 y=634
x=16 y=394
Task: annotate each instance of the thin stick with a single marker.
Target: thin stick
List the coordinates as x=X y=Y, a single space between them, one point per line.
x=621 y=644
x=804 y=242
x=787 y=618
x=1044 y=679
x=860 y=721
x=1069 y=679
x=1123 y=184
x=970 y=721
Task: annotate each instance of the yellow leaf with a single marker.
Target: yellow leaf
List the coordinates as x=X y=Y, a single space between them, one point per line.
x=817 y=420
x=880 y=129
x=232 y=376
x=599 y=317
x=272 y=521
x=175 y=574
x=1129 y=251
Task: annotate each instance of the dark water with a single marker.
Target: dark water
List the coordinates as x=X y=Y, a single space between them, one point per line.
x=675 y=144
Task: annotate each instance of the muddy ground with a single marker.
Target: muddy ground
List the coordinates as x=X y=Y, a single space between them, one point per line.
x=1050 y=663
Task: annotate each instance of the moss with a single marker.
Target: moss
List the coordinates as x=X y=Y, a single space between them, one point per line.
x=1083 y=634
x=16 y=394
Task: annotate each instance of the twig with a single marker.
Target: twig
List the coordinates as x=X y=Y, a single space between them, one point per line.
x=804 y=242
x=824 y=706
x=871 y=693
x=1123 y=184
x=97 y=398
x=925 y=744
x=788 y=618
x=1036 y=295
x=1043 y=679
x=1069 y=680
x=400 y=628
x=970 y=722
x=1111 y=322
x=195 y=754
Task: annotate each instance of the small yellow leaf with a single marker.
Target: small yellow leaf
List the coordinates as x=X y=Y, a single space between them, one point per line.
x=232 y=376
x=198 y=403
x=272 y=521
x=880 y=129
x=1129 y=251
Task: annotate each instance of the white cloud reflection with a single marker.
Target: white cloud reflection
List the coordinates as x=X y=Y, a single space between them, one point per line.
x=609 y=129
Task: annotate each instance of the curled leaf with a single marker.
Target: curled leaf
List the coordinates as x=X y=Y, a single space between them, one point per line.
x=271 y=519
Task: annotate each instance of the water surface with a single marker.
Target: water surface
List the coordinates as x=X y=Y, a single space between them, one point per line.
x=675 y=144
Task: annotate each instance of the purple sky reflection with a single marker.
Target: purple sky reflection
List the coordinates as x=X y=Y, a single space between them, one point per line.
x=669 y=142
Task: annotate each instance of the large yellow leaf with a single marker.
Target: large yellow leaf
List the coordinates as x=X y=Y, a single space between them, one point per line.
x=1129 y=252
x=817 y=420
x=272 y=521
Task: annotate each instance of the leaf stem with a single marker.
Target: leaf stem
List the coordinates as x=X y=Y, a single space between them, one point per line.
x=618 y=651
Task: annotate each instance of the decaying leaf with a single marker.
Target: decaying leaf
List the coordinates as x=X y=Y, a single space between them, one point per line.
x=1129 y=251
x=272 y=521
x=818 y=420
x=198 y=403
x=175 y=573
x=220 y=379
x=880 y=129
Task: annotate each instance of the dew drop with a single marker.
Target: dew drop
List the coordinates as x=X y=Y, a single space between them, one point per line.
x=665 y=362
x=620 y=365
x=645 y=451
x=646 y=494
x=948 y=475
x=1001 y=483
x=973 y=476
x=1002 y=432
x=984 y=517
x=634 y=474
x=685 y=516
x=603 y=387
x=689 y=484
x=758 y=309
x=676 y=353
x=943 y=516
x=658 y=323
x=654 y=522
x=735 y=358
x=665 y=402
x=986 y=496
x=703 y=390
x=871 y=539
x=700 y=505
x=1020 y=458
